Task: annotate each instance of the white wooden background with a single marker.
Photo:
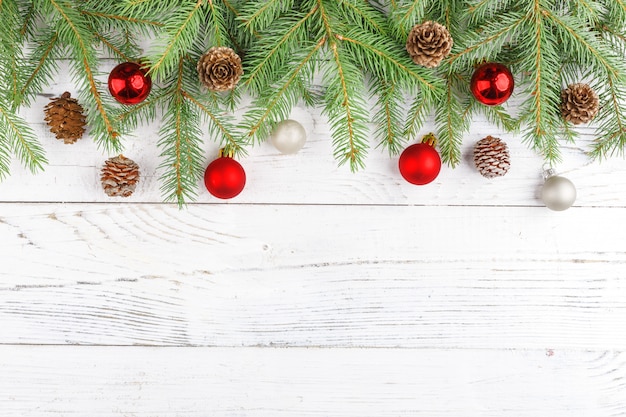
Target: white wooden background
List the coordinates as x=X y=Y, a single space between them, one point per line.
x=316 y=292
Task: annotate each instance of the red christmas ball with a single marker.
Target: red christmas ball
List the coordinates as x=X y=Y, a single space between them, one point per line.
x=420 y=163
x=492 y=84
x=224 y=178
x=129 y=83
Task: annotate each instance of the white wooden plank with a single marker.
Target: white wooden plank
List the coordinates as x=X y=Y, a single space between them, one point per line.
x=247 y=275
x=312 y=176
x=72 y=381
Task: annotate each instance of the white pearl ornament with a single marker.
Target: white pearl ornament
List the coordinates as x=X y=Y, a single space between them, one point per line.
x=288 y=136
x=558 y=193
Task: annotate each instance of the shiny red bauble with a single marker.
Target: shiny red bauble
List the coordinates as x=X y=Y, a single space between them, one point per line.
x=224 y=177
x=492 y=84
x=129 y=83
x=420 y=163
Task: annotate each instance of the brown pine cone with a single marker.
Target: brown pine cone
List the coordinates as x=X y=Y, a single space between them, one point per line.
x=65 y=117
x=429 y=43
x=579 y=103
x=220 y=69
x=120 y=176
x=491 y=157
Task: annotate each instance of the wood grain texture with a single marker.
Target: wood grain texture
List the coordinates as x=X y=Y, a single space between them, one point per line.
x=464 y=297
x=248 y=275
x=138 y=382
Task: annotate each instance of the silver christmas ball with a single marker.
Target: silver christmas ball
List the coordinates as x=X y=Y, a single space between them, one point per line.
x=288 y=136
x=558 y=193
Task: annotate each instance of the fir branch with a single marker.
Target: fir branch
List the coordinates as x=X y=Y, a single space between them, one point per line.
x=451 y=125
x=111 y=47
x=586 y=49
x=28 y=21
x=541 y=108
x=11 y=50
x=388 y=118
x=42 y=70
x=368 y=19
x=485 y=10
x=499 y=117
x=274 y=105
x=179 y=32
x=215 y=15
x=587 y=11
x=180 y=140
x=486 y=45
x=255 y=19
x=345 y=107
x=232 y=9
x=74 y=32
x=231 y=143
x=144 y=112
x=611 y=121
x=418 y=111
x=265 y=62
x=121 y=18
x=397 y=69
x=407 y=13
x=16 y=135
x=346 y=111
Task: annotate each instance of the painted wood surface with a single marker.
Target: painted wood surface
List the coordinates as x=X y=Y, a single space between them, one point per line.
x=247 y=275
x=198 y=382
x=316 y=292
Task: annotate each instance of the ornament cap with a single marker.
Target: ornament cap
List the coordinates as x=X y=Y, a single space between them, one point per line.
x=225 y=153
x=430 y=139
x=548 y=172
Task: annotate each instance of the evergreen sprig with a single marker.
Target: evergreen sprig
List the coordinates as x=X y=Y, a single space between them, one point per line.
x=16 y=137
x=348 y=44
x=185 y=107
x=340 y=55
x=550 y=43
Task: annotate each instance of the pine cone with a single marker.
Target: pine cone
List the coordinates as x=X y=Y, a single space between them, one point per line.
x=220 y=69
x=429 y=43
x=65 y=117
x=579 y=103
x=120 y=176
x=491 y=157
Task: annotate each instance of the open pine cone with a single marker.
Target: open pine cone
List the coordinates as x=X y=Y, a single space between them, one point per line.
x=65 y=117
x=429 y=43
x=491 y=157
x=120 y=176
x=220 y=69
x=579 y=103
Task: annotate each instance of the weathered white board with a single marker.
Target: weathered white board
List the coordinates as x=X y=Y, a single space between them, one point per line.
x=199 y=382
x=316 y=292
x=247 y=275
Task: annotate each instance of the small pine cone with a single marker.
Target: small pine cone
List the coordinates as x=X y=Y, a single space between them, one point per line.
x=220 y=69
x=65 y=117
x=491 y=157
x=429 y=43
x=120 y=176
x=579 y=103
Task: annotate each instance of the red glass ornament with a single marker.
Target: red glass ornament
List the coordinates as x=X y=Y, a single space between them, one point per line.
x=420 y=163
x=224 y=177
x=129 y=83
x=492 y=84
